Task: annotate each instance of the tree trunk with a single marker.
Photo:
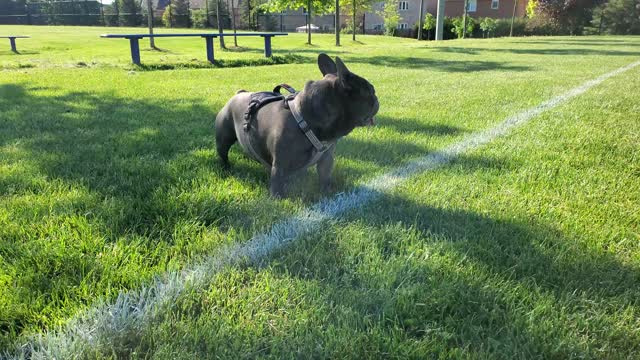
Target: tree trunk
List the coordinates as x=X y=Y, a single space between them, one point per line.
x=152 y=43
x=220 y=30
x=233 y=23
x=353 y=2
x=513 y=16
x=309 y=22
x=464 y=19
x=337 y=22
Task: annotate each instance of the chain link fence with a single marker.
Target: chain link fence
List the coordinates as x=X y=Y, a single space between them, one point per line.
x=167 y=13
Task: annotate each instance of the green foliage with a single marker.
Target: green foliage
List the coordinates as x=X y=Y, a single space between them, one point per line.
x=318 y=6
x=618 y=17
x=177 y=15
x=458 y=26
x=569 y=16
x=488 y=25
x=130 y=12
x=390 y=16
x=199 y=18
x=429 y=21
x=531 y=8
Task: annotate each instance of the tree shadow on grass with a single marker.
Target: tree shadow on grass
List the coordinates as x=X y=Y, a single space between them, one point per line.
x=457 y=279
x=548 y=51
x=438 y=65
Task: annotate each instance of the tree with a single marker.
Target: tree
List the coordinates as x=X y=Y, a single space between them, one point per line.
x=488 y=25
x=569 y=15
x=177 y=14
x=619 y=17
x=429 y=24
x=220 y=29
x=129 y=12
x=352 y=8
x=319 y=6
x=390 y=16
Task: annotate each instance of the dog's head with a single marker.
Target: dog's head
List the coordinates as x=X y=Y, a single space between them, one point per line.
x=355 y=95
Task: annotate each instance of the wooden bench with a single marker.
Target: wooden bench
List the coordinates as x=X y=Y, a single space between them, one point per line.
x=12 y=40
x=208 y=38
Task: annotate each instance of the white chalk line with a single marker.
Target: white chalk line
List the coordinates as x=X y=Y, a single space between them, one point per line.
x=107 y=326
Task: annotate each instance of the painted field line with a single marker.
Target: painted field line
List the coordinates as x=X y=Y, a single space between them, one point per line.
x=116 y=325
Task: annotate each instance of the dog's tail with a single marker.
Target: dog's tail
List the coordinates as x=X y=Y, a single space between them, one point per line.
x=240 y=91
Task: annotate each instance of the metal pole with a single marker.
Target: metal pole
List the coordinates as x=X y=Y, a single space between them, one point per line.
x=440 y=20
x=420 y=24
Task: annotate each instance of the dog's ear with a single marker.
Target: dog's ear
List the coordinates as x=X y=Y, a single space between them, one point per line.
x=326 y=65
x=342 y=68
x=343 y=73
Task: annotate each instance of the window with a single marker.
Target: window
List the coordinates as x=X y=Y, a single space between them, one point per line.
x=495 y=4
x=403 y=26
x=473 y=4
x=378 y=27
x=403 y=5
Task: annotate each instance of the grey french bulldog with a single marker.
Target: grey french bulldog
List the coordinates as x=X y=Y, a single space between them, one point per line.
x=332 y=108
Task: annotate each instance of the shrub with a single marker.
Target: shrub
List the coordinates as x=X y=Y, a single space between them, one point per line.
x=199 y=19
x=503 y=27
x=541 y=25
x=458 y=26
x=488 y=26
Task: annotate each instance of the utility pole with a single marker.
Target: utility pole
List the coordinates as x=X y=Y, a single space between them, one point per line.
x=337 y=22
x=152 y=42
x=440 y=20
x=421 y=20
x=513 y=16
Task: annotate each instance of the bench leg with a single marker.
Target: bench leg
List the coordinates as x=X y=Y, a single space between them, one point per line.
x=13 y=45
x=209 y=42
x=135 y=50
x=267 y=46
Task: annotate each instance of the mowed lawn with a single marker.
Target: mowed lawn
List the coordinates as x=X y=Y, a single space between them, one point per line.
x=528 y=247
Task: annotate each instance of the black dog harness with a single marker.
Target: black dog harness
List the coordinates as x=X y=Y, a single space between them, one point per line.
x=260 y=99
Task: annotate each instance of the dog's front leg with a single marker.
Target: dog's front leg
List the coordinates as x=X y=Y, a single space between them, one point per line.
x=278 y=182
x=325 y=169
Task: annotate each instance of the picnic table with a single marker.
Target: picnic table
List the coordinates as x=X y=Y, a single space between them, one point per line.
x=12 y=40
x=208 y=38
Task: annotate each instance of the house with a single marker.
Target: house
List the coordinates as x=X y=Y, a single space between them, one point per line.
x=410 y=11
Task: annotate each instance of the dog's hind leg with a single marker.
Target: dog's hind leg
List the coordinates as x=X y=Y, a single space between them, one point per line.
x=225 y=135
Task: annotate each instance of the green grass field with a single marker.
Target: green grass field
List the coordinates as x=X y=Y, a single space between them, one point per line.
x=525 y=248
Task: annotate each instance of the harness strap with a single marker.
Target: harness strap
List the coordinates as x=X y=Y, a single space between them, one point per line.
x=304 y=126
x=258 y=100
